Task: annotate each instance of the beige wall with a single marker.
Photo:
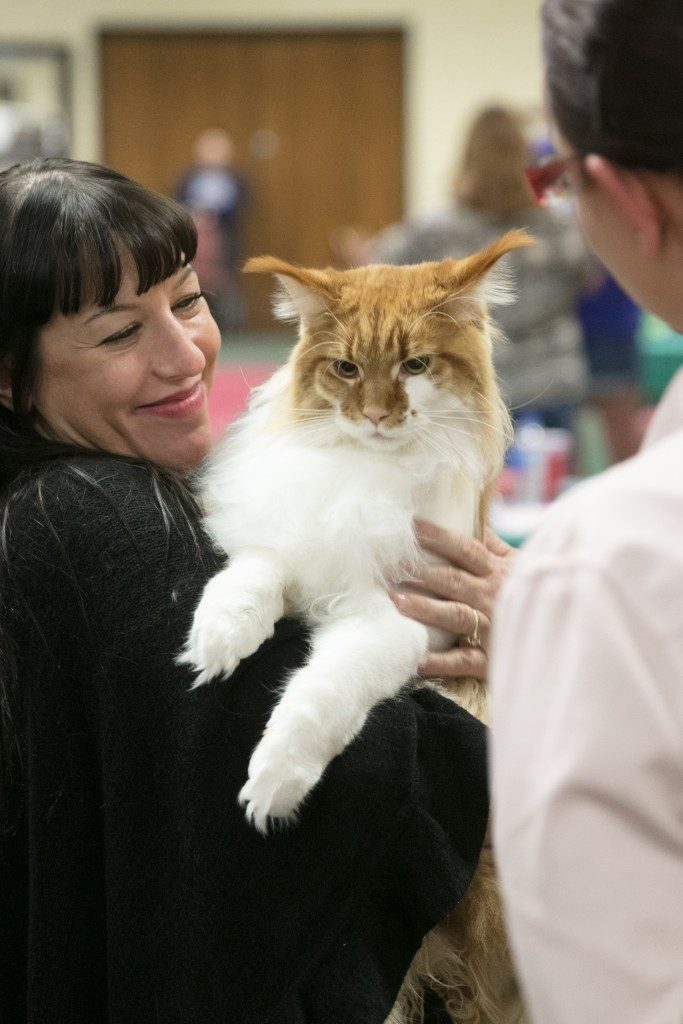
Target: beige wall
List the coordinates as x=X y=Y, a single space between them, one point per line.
x=461 y=53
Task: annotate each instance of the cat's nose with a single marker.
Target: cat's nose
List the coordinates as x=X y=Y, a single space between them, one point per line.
x=375 y=413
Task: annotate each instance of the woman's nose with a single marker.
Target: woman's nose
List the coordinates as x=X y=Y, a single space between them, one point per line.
x=178 y=354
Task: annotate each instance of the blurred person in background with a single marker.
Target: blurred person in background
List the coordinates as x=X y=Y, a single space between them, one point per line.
x=543 y=367
x=218 y=195
x=610 y=321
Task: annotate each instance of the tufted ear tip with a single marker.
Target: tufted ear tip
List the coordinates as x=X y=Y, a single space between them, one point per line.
x=482 y=276
x=267 y=265
x=303 y=294
x=517 y=238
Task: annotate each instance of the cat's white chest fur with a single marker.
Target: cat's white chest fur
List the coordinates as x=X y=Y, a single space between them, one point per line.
x=386 y=411
x=321 y=526
x=340 y=519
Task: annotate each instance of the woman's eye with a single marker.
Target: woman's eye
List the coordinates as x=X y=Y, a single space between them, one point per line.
x=190 y=301
x=345 y=369
x=124 y=335
x=417 y=365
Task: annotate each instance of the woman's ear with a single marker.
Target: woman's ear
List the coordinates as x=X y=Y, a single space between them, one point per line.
x=632 y=193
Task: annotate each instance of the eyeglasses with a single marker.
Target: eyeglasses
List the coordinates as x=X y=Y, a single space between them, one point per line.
x=550 y=179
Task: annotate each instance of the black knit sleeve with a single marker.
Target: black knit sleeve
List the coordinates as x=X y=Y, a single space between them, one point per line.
x=419 y=769
x=138 y=891
x=449 y=809
x=99 y=571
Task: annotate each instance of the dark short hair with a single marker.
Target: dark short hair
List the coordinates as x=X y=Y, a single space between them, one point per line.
x=614 y=76
x=64 y=225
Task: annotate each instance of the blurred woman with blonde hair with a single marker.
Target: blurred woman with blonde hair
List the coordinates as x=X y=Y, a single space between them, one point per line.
x=491 y=175
x=543 y=367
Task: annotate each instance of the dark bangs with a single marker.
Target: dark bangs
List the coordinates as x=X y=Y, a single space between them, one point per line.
x=72 y=223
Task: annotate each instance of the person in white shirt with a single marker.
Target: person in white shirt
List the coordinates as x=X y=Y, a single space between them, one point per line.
x=587 y=641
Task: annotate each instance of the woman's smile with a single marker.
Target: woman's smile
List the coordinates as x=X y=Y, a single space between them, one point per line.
x=178 y=405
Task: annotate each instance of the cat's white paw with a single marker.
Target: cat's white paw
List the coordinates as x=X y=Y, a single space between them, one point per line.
x=224 y=631
x=278 y=781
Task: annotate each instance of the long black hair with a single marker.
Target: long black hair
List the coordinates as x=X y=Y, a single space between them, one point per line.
x=614 y=76
x=64 y=226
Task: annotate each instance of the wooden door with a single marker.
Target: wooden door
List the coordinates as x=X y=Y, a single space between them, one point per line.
x=317 y=119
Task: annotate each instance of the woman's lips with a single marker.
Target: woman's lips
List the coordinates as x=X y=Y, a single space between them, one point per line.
x=182 y=403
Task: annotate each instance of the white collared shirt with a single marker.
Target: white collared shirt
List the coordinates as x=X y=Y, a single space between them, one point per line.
x=587 y=750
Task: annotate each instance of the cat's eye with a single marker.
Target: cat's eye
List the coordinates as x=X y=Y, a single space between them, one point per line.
x=416 y=365
x=343 y=368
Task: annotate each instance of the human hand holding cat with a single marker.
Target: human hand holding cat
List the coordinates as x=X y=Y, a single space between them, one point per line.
x=469 y=581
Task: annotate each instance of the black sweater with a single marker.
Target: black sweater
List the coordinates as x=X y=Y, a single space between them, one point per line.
x=132 y=890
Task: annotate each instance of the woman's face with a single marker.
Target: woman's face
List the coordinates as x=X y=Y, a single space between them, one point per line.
x=133 y=378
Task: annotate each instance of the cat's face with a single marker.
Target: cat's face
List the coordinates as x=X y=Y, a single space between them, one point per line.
x=381 y=367
x=396 y=356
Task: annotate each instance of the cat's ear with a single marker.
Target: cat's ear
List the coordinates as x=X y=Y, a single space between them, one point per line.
x=303 y=295
x=482 y=276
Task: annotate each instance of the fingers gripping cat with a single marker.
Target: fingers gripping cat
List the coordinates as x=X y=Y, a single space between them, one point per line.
x=387 y=409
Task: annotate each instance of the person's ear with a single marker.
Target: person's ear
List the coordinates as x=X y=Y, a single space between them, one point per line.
x=631 y=193
x=6 y=381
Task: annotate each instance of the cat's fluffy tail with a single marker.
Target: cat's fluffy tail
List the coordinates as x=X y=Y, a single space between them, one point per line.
x=465 y=961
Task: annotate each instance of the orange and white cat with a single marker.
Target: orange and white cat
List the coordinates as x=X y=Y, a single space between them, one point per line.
x=387 y=409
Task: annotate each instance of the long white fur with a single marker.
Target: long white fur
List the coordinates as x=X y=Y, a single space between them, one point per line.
x=317 y=520
x=318 y=524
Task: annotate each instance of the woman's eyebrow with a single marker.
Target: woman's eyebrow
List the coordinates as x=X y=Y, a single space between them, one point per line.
x=127 y=307
x=109 y=309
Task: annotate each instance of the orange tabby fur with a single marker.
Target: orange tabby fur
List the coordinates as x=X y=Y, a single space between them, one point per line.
x=376 y=318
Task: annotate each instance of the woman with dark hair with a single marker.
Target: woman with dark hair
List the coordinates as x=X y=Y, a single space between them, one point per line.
x=132 y=888
x=588 y=641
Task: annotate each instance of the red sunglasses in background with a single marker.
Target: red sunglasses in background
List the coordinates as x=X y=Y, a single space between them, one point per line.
x=550 y=179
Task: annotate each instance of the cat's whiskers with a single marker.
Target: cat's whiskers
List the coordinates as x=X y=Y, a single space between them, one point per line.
x=427 y=313
x=342 y=327
x=322 y=437
x=482 y=398
x=437 y=443
x=479 y=420
x=322 y=344
x=431 y=438
x=451 y=457
x=513 y=408
x=328 y=369
x=309 y=411
x=456 y=426
x=311 y=421
x=532 y=401
x=446 y=432
x=452 y=429
x=433 y=312
x=522 y=405
x=457 y=449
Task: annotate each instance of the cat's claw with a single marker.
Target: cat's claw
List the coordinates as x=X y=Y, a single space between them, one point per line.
x=223 y=633
x=277 y=784
x=210 y=650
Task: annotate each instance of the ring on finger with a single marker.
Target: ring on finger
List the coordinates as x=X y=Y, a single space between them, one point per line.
x=474 y=640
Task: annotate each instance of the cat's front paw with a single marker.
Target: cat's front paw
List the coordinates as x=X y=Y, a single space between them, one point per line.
x=278 y=782
x=223 y=633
